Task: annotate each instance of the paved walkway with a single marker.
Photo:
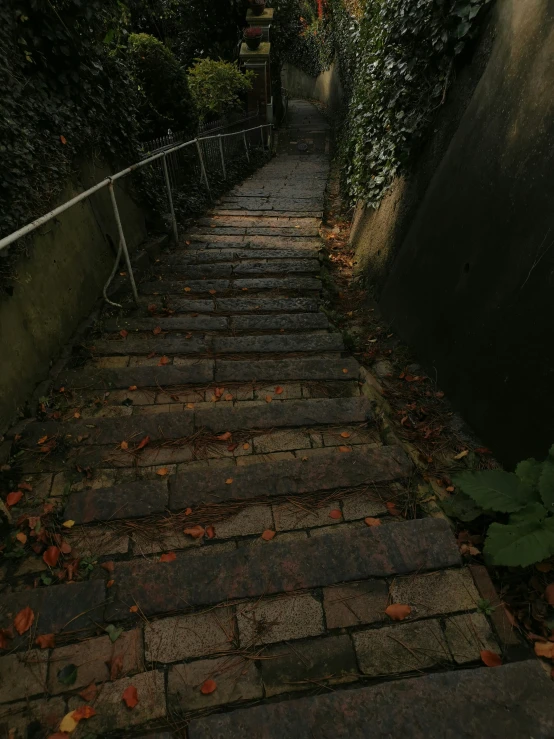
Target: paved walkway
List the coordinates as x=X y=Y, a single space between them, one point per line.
x=232 y=527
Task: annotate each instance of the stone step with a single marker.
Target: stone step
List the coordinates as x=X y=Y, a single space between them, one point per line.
x=214 y=254
x=259 y=230
x=256 y=304
x=514 y=700
x=271 y=322
x=316 y=470
x=165 y=287
x=171 y=345
x=246 y=267
x=276 y=322
x=249 y=572
x=212 y=241
x=267 y=221
x=204 y=371
x=222 y=212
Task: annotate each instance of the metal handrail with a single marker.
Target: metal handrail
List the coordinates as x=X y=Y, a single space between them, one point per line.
x=108 y=182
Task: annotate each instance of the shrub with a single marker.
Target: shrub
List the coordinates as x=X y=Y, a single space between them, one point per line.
x=216 y=86
x=527 y=495
x=163 y=86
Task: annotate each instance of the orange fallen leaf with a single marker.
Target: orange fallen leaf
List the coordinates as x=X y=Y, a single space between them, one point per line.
x=108 y=566
x=369 y=521
x=392 y=509
x=278 y=390
x=133 y=609
x=189 y=405
x=187 y=289
x=210 y=531
x=132 y=387
x=491 y=659
x=268 y=398
x=188 y=511
x=397 y=611
x=544 y=649
x=345 y=434
x=83 y=712
x=51 y=556
x=24 y=620
x=461 y=455
x=218 y=392
x=162 y=471
x=345 y=449
x=212 y=292
x=168 y=557
x=21 y=537
x=268 y=535
x=345 y=371
x=89 y=693
x=157 y=330
x=63 y=140
x=130 y=696
x=229 y=480
x=224 y=437
x=46 y=641
x=25 y=486
x=163 y=361
x=116 y=666
x=124 y=333
x=110 y=583
x=42 y=440
x=208 y=686
x=246 y=446
x=197 y=532
x=143 y=442
x=13 y=498
x=124 y=445
x=336 y=514
x=228 y=396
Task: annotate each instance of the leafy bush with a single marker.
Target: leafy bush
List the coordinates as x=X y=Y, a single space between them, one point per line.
x=165 y=100
x=527 y=495
x=216 y=86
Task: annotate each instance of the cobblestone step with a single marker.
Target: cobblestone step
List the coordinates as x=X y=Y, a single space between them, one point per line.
x=206 y=256
x=249 y=572
x=165 y=287
x=271 y=322
x=471 y=704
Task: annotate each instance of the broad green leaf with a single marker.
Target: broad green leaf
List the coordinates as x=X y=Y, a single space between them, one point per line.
x=546 y=485
x=529 y=472
x=530 y=512
x=494 y=490
x=462 y=507
x=113 y=632
x=520 y=545
x=68 y=674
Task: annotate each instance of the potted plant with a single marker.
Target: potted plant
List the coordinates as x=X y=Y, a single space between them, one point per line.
x=257 y=6
x=253 y=37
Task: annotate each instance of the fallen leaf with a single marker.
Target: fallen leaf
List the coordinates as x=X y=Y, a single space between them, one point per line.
x=143 y=442
x=24 y=620
x=268 y=535
x=51 y=556
x=89 y=693
x=152 y=354
x=188 y=511
x=228 y=397
x=208 y=686
x=197 y=532
x=5 y=634
x=42 y=440
x=162 y=472
x=369 y=521
x=63 y=140
x=168 y=557
x=163 y=361
x=224 y=437
x=116 y=666
x=345 y=434
x=439 y=394
x=229 y=480
x=491 y=659
x=246 y=446
x=218 y=392
x=130 y=696
x=108 y=566
x=132 y=388
x=268 y=398
x=345 y=449
x=392 y=509
x=110 y=583
x=461 y=455
x=45 y=641
x=397 y=612
x=25 y=486
x=124 y=445
x=21 y=537
x=278 y=390
x=345 y=371
x=68 y=723
x=83 y=712
x=187 y=289
x=69 y=523
x=157 y=330
x=450 y=489
x=336 y=514
x=133 y=609
x=189 y=405
x=549 y=594
x=113 y=632
x=124 y=333
x=151 y=308
x=212 y=292
x=13 y=498
x=210 y=531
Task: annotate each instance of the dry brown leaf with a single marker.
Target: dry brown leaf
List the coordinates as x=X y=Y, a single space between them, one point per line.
x=51 y=556
x=83 y=712
x=335 y=514
x=397 y=611
x=108 y=566
x=46 y=641
x=278 y=390
x=157 y=330
x=268 y=398
x=188 y=511
x=162 y=471
x=224 y=437
x=124 y=445
x=24 y=620
x=461 y=455
x=187 y=289
x=208 y=686
x=25 y=486
x=369 y=521
x=228 y=397
x=491 y=659
x=132 y=388
x=130 y=696
x=21 y=537
x=210 y=531
x=163 y=361
x=89 y=693
x=229 y=480
x=123 y=333
x=246 y=446
x=345 y=449
x=345 y=434
x=14 y=498
x=197 y=532
x=168 y=557
x=268 y=535
x=42 y=440
x=218 y=392
x=63 y=140
x=345 y=371
x=110 y=583
x=544 y=649
x=133 y=609
x=143 y=442
x=212 y=292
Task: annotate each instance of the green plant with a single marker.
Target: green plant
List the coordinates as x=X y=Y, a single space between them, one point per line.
x=216 y=86
x=526 y=498
x=485 y=607
x=164 y=97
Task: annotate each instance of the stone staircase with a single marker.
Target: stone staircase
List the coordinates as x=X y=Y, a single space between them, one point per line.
x=239 y=510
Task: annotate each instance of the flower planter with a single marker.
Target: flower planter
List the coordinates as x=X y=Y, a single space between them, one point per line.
x=257 y=7
x=253 y=37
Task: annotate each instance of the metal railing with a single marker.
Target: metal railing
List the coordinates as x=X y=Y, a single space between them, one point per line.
x=109 y=183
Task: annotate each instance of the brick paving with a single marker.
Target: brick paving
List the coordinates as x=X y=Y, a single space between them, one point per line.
x=218 y=457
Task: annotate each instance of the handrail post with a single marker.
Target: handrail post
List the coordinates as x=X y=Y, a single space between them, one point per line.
x=170 y=199
x=122 y=241
x=262 y=136
x=222 y=157
x=246 y=146
x=203 y=168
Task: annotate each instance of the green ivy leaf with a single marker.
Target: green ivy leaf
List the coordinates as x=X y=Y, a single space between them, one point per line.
x=68 y=674
x=462 y=507
x=529 y=472
x=530 y=512
x=521 y=544
x=494 y=490
x=113 y=632
x=546 y=485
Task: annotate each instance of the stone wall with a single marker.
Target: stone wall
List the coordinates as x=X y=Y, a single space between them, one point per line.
x=460 y=253
x=326 y=87
x=58 y=282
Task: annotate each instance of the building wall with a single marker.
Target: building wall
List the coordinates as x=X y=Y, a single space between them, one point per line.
x=326 y=87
